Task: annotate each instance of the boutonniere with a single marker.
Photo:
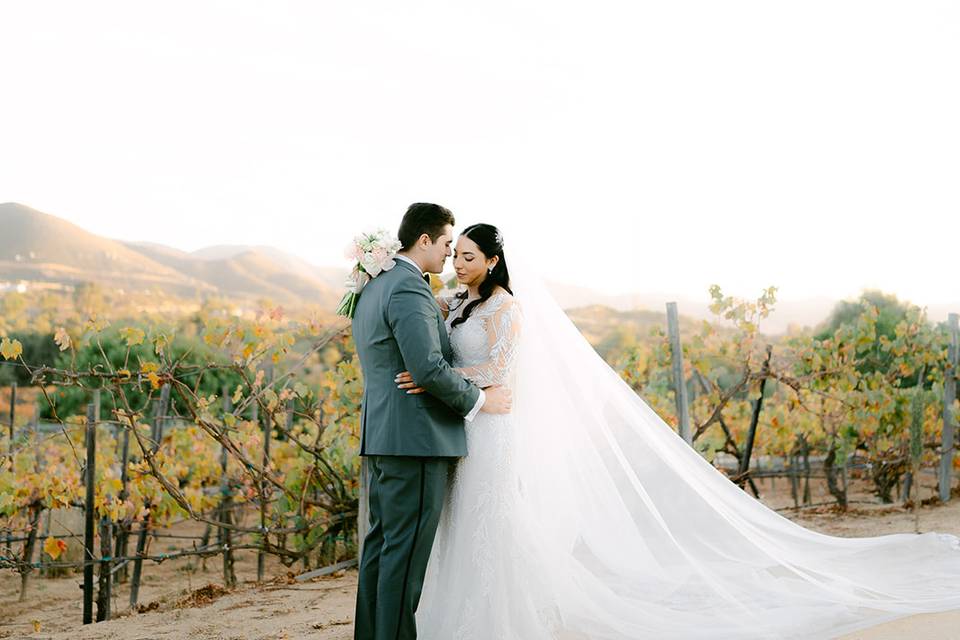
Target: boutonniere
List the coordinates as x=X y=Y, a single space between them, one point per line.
x=436 y=283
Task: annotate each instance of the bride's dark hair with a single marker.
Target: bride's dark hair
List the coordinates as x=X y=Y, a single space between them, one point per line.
x=490 y=242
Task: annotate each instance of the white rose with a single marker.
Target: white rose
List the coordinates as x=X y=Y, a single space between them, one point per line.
x=370 y=264
x=380 y=254
x=353 y=252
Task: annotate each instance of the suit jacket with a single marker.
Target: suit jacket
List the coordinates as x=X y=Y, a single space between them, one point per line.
x=398 y=326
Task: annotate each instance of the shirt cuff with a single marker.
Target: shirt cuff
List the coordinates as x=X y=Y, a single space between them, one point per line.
x=476 y=408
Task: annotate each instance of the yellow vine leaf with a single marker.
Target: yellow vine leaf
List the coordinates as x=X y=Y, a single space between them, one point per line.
x=272 y=400
x=160 y=343
x=10 y=349
x=115 y=510
x=62 y=338
x=96 y=324
x=132 y=335
x=54 y=547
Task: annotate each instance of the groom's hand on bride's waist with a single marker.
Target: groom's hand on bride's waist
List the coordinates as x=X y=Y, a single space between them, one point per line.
x=497 y=399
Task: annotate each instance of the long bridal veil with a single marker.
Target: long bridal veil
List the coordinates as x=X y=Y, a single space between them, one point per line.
x=637 y=536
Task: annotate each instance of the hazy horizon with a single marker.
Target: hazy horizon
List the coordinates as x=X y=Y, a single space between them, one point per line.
x=629 y=148
x=787 y=312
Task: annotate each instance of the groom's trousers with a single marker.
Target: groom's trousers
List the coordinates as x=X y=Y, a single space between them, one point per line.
x=406 y=497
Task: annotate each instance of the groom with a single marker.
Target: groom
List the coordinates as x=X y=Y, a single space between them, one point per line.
x=409 y=440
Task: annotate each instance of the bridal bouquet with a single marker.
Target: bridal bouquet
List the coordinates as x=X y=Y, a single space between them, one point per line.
x=373 y=252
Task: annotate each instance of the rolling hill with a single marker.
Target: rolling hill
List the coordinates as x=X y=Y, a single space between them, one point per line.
x=39 y=247
x=36 y=246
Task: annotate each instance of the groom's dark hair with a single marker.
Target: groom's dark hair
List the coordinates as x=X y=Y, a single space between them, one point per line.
x=423 y=218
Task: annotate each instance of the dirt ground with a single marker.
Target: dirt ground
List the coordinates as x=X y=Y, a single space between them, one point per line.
x=185 y=600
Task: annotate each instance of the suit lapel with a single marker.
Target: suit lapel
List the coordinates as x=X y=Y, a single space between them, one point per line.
x=444 y=338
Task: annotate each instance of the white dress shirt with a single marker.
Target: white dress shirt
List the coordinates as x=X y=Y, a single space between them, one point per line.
x=476 y=408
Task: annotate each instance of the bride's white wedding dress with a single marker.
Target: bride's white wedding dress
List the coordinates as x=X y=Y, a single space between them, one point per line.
x=583 y=515
x=477 y=553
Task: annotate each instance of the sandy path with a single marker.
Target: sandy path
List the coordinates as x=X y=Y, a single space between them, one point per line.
x=878 y=520
x=932 y=626
x=320 y=610
x=280 y=608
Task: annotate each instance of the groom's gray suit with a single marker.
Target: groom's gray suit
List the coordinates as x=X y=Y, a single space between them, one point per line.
x=410 y=440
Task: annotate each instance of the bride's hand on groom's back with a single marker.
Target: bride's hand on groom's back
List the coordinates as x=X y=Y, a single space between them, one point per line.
x=405 y=381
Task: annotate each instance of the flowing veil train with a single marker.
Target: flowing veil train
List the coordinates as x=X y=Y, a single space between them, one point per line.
x=637 y=536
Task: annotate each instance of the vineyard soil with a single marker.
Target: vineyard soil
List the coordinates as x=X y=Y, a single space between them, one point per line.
x=182 y=605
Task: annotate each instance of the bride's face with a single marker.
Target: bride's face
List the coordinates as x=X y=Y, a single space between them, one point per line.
x=470 y=263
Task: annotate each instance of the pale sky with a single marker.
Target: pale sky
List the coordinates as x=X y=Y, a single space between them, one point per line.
x=630 y=146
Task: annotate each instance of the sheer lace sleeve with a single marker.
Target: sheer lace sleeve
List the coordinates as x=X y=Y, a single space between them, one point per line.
x=503 y=326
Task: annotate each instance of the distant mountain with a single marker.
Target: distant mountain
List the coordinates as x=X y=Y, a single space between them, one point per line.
x=36 y=246
x=787 y=313
x=331 y=276
x=247 y=272
x=611 y=330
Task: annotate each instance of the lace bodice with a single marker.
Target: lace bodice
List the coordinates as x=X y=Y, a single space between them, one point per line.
x=485 y=346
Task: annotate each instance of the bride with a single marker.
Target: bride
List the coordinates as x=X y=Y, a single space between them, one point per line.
x=583 y=515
